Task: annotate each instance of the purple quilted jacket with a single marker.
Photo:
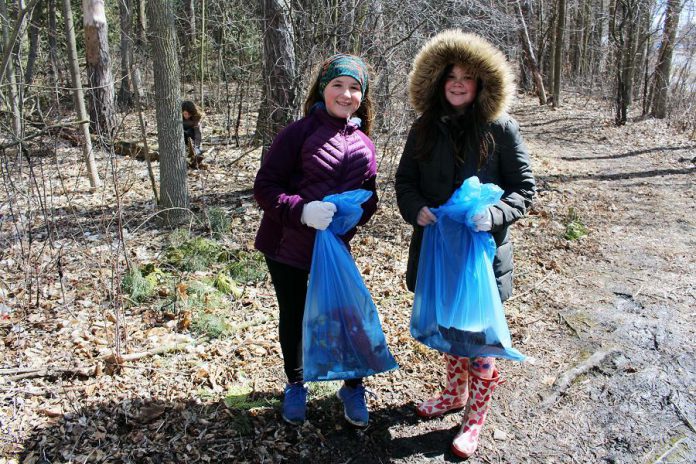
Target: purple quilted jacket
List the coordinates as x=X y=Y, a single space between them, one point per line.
x=316 y=156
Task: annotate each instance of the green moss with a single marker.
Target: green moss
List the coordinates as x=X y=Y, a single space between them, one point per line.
x=195 y=254
x=247 y=267
x=137 y=287
x=218 y=221
x=212 y=325
x=242 y=398
x=575 y=227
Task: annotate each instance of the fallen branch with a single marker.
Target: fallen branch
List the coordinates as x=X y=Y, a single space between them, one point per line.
x=563 y=382
x=114 y=358
x=682 y=414
x=54 y=372
x=669 y=451
x=41 y=132
x=537 y=285
x=112 y=361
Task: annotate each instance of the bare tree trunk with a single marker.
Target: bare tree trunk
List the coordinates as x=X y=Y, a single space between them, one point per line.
x=125 y=95
x=279 y=84
x=143 y=131
x=664 y=61
x=202 y=55
x=78 y=96
x=56 y=70
x=170 y=134
x=101 y=108
x=141 y=33
x=36 y=19
x=8 y=46
x=558 y=57
x=529 y=54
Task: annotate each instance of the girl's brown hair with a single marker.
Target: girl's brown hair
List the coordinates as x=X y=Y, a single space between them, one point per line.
x=467 y=132
x=192 y=109
x=365 y=112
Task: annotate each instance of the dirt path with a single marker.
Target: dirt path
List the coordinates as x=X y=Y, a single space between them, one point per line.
x=622 y=297
x=617 y=306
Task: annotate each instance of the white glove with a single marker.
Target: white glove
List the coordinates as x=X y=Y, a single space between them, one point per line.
x=318 y=214
x=483 y=221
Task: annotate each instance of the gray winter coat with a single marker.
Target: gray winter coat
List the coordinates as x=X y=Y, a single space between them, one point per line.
x=432 y=181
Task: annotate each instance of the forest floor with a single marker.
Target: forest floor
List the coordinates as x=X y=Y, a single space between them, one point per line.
x=608 y=317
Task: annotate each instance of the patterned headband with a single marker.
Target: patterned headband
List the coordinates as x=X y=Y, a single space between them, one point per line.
x=343 y=65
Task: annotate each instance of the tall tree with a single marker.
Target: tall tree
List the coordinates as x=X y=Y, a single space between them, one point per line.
x=56 y=70
x=9 y=56
x=626 y=19
x=78 y=95
x=558 y=56
x=125 y=11
x=34 y=25
x=664 y=60
x=279 y=81
x=101 y=109
x=529 y=52
x=170 y=134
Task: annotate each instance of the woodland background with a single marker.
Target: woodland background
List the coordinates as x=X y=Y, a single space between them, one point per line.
x=137 y=321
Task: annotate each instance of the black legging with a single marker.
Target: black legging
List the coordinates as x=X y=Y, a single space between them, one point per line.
x=290 y=285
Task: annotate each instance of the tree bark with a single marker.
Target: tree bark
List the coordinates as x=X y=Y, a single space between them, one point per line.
x=170 y=134
x=202 y=54
x=125 y=94
x=529 y=54
x=101 y=108
x=78 y=95
x=664 y=61
x=36 y=19
x=56 y=70
x=279 y=81
x=558 y=56
x=8 y=70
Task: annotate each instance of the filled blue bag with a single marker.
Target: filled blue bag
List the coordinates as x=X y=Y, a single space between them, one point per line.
x=342 y=334
x=457 y=307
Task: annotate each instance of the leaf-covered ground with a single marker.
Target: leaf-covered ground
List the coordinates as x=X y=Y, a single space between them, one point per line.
x=190 y=370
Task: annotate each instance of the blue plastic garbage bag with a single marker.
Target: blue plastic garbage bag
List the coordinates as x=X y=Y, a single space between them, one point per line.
x=457 y=307
x=342 y=333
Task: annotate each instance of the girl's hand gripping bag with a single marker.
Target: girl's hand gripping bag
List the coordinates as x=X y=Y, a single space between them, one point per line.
x=457 y=307
x=342 y=334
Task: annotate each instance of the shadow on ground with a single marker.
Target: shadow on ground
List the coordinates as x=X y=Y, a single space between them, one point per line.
x=153 y=431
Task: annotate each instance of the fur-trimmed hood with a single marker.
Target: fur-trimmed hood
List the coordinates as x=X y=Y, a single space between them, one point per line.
x=454 y=46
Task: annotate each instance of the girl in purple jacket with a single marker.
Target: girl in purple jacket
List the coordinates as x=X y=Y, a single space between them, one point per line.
x=328 y=151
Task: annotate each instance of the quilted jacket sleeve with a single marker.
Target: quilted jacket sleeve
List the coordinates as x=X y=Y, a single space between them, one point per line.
x=516 y=177
x=276 y=179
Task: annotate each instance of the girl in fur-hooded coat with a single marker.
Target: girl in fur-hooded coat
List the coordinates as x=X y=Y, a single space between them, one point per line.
x=462 y=86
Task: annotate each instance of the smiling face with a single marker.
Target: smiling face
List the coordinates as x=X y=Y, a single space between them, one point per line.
x=460 y=88
x=342 y=97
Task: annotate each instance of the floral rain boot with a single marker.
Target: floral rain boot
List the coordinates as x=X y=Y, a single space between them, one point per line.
x=454 y=395
x=480 y=396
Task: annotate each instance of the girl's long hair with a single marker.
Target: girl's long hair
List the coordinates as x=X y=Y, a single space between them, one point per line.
x=467 y=131
x=193 y=109
x=365 y=112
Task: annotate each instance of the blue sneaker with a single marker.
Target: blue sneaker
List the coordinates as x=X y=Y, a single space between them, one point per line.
x=295 y=403
x=354 y=406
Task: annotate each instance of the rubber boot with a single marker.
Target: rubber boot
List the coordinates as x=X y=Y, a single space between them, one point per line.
x=480 y=397
x=454 y=395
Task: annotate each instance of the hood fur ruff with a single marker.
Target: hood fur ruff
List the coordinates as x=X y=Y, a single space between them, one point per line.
x=472 y=51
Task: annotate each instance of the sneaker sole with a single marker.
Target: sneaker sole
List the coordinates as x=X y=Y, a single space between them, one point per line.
x=348 y=419
x=291 y=422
